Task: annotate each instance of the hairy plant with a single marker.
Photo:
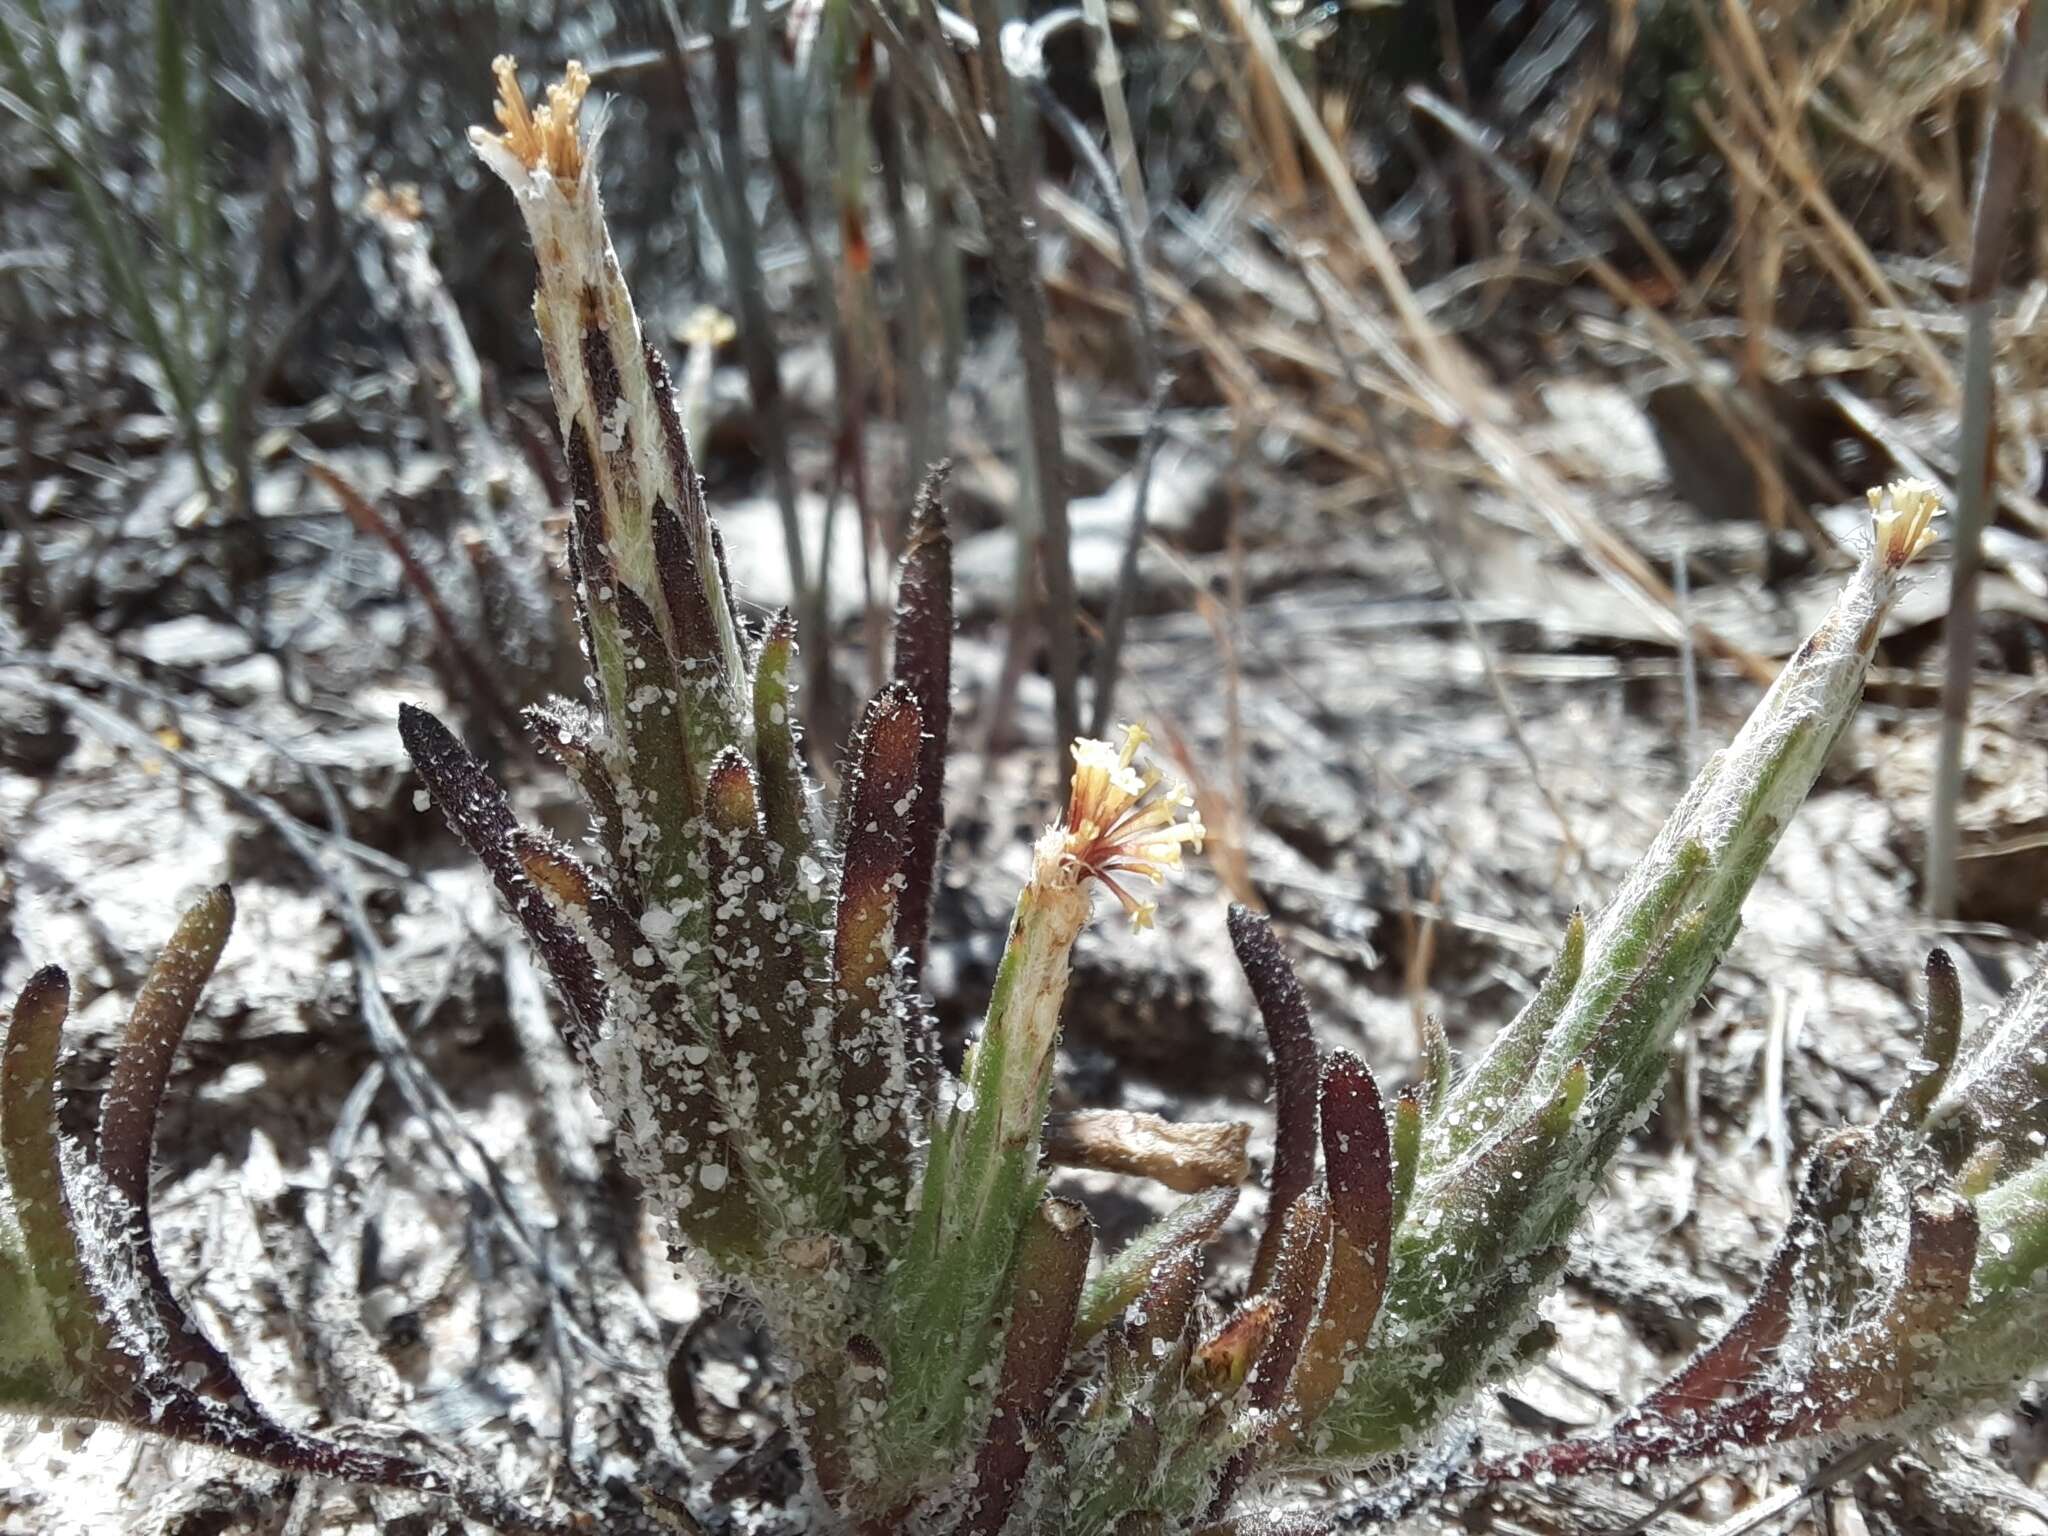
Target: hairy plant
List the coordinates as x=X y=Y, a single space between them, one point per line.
x=738 y=976
x=740 y=979
x=89 y=1325
x=1910 y=1281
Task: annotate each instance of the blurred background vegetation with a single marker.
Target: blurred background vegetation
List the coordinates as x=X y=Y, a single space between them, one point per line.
x=1767 y=205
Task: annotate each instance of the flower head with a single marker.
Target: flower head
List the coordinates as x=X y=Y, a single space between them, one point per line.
x=1116 y=828
x=547 y=138
x=1903 y=515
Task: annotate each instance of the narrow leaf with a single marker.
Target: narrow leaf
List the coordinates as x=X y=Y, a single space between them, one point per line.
x=1052 y=1259
x=1156 y=1334
x=712 y=719
x=1436 y=1066
x=1305 y=1255
x=1687 y=1410
x=1495 y=1084
x=1358 y=1155
x=702 y=1177
x=874 y=1069
x=1290 y=1039
x=1736 y=1360
x=35 y=1171
x=666 y=766
x=1187 y=1228
x=1490 y=1196
x=692 y=629
x=924 y=664
x=479 y=815
x=784 y=790
x=692 y=514
x=128 y=1117
x=1405 y=1143
x=1874 y=1371
x=591 y=575
x=881 y=786
x=779 y=1085
x=1938 y=1041
x=563 y=732
x=1992 y=1112
x=1417 y=1379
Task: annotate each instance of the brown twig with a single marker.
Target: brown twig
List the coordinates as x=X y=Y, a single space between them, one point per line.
x=2004 y=162
x=1125 y=217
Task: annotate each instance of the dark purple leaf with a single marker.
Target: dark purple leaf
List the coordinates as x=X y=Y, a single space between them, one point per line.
x=1052 y=1261
x=1358 y=1157
x=564 y=733
x=1291 y=1040
x=692 y=624
x=924 y=664
x=1297 y=1286
x=477 y=812
x=128 y=1120
x=880 y=788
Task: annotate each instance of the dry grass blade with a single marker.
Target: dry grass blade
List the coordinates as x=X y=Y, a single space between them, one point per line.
x=1126 y=205
x=1612 y=556
x=2001 y=171
x=1272 y=74
x=1187 y=1156
x=1394 y=462
x=993 y=163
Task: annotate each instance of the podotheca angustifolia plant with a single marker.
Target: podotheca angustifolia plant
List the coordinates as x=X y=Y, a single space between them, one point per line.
x=738 y=973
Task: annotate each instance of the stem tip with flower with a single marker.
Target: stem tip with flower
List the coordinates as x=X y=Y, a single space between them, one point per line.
x=1116 y=829
x=547 y=137
x=1902 y=515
